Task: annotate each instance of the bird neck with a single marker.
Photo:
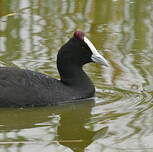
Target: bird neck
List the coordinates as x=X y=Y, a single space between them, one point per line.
x=74 y=75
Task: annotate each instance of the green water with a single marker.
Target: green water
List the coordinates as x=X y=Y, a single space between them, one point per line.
x=121 y=117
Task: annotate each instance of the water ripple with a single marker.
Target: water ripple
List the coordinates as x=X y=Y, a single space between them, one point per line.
x=121 y=117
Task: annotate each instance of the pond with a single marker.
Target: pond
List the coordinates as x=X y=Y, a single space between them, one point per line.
x=121 y=116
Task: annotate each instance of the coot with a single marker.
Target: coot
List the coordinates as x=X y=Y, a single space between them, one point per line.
x=25 y=88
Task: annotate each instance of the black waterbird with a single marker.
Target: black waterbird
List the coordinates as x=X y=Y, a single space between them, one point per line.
x=25 y=88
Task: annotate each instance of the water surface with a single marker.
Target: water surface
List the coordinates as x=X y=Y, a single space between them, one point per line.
x=121 y=116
